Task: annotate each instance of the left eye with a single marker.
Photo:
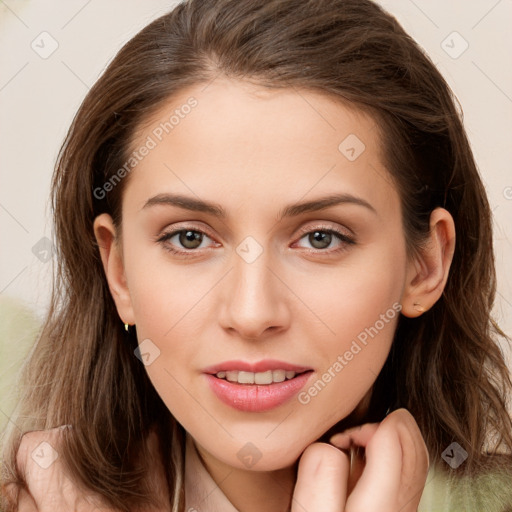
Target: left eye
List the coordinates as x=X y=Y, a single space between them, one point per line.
x=322 y=238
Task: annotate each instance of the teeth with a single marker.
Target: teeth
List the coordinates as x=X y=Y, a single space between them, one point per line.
x=278 y=375
x=246 y=378
x=232 y=376
x=262 y=377
x=267 y=377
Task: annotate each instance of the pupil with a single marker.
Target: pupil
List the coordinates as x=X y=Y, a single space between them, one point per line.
x=189 y=238
x=321 y=237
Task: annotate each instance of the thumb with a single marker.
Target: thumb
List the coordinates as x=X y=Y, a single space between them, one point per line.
x=321 y=480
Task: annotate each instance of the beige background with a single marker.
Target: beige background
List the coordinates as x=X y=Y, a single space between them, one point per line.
x=39 y=96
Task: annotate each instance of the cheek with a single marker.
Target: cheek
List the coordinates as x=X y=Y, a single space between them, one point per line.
x=350 y=299
x=161 y=297
x=359 y=308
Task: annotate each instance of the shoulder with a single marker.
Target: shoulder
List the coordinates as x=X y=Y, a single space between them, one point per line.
x=48 y=488
x=490 y=490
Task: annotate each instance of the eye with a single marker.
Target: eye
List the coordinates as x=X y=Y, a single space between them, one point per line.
x=321 y=238
x=188 y=239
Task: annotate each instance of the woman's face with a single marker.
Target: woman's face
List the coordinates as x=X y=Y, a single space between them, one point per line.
x=268 y=279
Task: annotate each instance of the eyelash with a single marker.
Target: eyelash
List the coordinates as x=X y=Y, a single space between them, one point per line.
x=304 y=231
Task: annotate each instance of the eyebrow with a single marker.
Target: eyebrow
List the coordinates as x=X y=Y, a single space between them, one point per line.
x=292 y=210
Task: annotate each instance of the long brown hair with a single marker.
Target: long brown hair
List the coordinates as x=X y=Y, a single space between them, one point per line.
x=445 y=366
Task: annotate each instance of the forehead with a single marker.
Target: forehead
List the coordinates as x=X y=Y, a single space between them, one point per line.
x=234 y=139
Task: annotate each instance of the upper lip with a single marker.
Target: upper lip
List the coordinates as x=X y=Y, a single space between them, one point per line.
x=258 y=366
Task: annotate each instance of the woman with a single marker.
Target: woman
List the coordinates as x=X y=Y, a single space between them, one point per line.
x=271 y=230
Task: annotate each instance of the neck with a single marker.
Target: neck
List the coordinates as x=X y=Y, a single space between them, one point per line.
x=252 y=491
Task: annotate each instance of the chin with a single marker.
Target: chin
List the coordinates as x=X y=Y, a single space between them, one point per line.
x=258 y=457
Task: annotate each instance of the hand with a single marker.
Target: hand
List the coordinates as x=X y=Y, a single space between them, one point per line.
x=389 y=478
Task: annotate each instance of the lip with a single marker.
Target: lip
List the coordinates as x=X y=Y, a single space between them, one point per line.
x=259 y=366
x=257 y=397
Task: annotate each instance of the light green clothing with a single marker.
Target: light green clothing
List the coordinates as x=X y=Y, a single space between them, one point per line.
x=18 y=329
x=485 y=493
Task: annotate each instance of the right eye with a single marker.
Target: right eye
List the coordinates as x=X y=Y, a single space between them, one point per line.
x=187 y=238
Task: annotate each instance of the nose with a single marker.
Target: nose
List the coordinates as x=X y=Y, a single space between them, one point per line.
x=255 y=300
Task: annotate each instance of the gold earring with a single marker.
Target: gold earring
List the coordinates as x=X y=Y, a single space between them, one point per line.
x=126 y=327
x=419 y=307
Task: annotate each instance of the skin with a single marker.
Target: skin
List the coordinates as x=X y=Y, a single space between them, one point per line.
x=253 y=151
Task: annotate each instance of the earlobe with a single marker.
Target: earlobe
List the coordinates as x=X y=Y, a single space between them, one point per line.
x=113 y=265
x=428 y=271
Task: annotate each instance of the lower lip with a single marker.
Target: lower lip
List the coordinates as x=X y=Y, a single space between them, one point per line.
x=256 y=397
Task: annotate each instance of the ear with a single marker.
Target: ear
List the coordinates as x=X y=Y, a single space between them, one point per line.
x=112 y=259
x=427 y=271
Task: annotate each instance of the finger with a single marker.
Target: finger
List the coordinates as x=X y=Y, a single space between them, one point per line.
x=353 y=441
x=379 y=485
x=415 y=459
x=396 y=467
x=321 y=480
x=354 y=436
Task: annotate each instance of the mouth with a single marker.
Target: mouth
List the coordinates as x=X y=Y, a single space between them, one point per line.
x=263 y=372
x=257 y=391
x=260 y=378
